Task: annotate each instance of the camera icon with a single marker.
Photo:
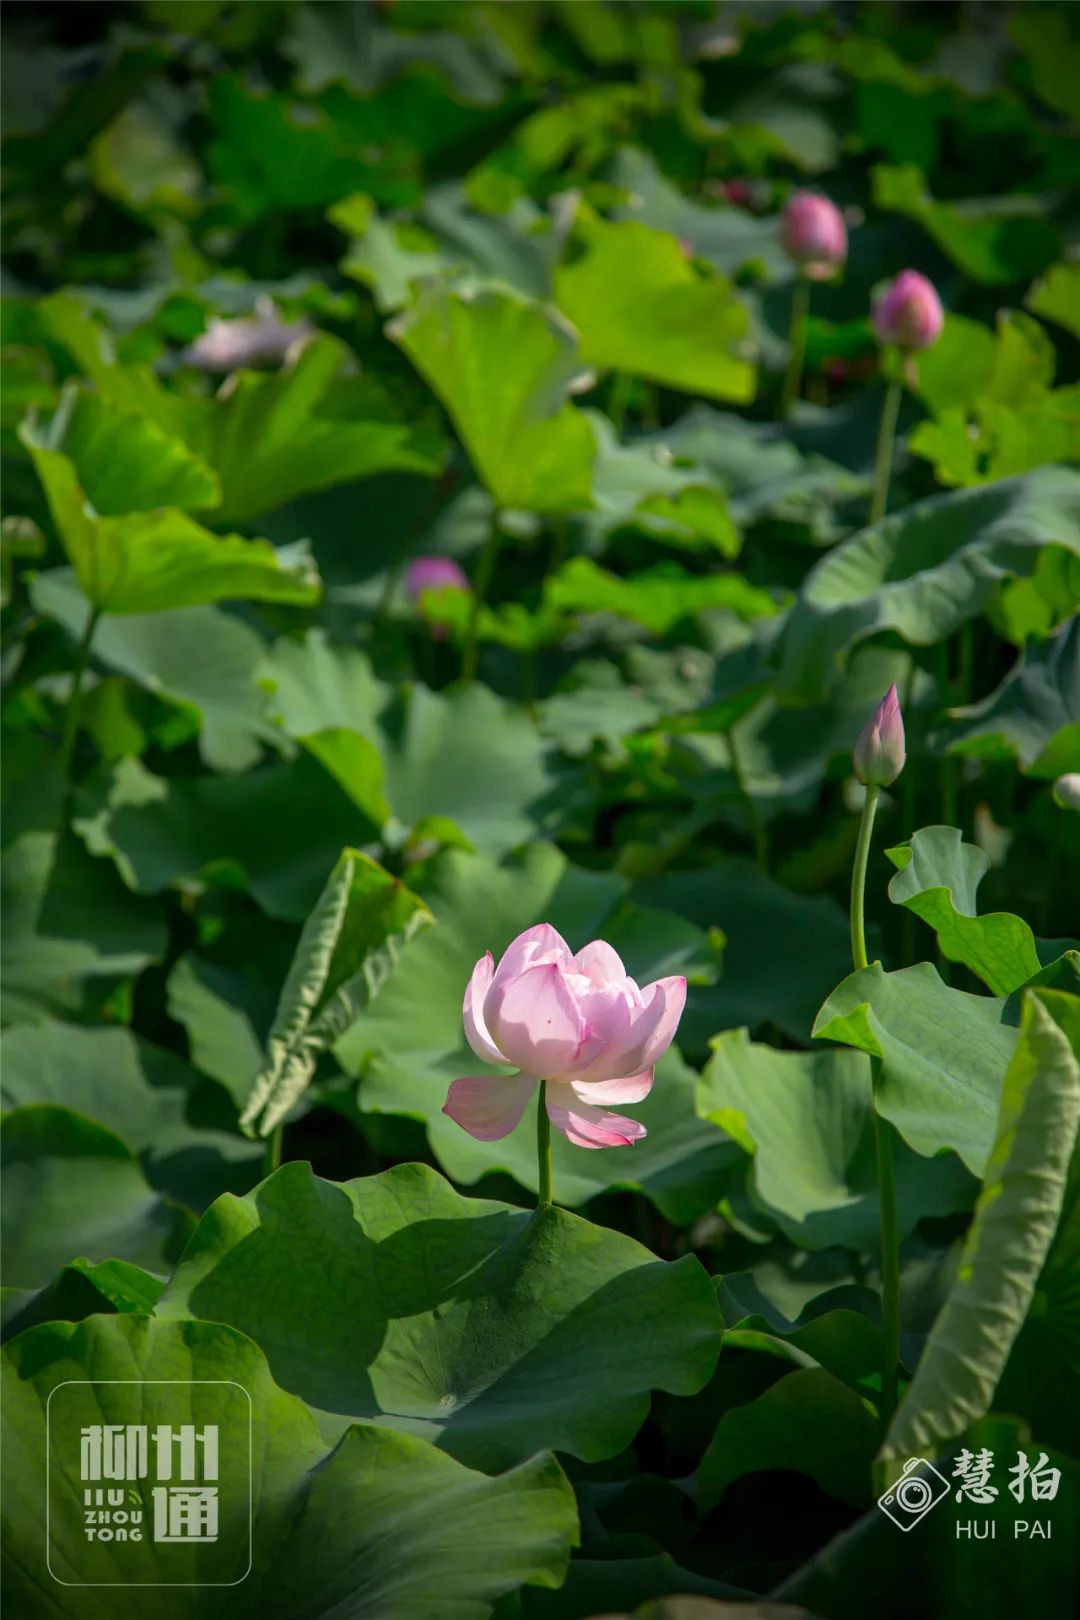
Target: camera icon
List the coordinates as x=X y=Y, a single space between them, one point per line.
x=917 y=1490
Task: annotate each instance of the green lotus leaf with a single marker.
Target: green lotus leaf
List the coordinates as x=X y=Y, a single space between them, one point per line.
x=643 y=306
x=1034 y=715
x=924 y=571
x=473 y=1324
x=302 y=1530
x=501 y=365
x=807 y=1119
x=72 y=1187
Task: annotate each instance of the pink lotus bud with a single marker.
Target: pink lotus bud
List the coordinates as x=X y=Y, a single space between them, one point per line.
x=433 y=574
x=577 y=1024
x=909 y=313
x=879 y=753
x=813 y=233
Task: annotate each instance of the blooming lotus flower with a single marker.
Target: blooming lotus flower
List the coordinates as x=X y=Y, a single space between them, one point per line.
x=433 y=574
x=579 y=1025
x=909 y=313
x=879 y=753
x=813 y=233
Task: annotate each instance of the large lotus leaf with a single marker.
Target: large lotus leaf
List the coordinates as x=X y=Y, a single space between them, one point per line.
x=809 y=1422
x=839 y=1329
x=161 y=831
x=475 y=758
x=145 y=561
x=322 y=1531
x=501 y=366
x=317 y=685
x=994 y=240
x=1004 y=441
x=924 y=571
x=937 y=878
x=273 y=438
x=71 y=1187
x=122 y=461
x=643 y=306
x=71 y=931
x=227 y=1016
x=473 y=1324
x=938 y=1567
x=655 y=598
x=641 y=486
x=181 y=1126
x=80 y=1289
x=1034 y=715
x=408 y=1048
x=944 y=1053
x=807 y=1119
x=1015 y=1218
x=201 y=659
x=783 y=952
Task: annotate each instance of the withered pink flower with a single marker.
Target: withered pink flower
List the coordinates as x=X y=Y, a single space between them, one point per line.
x=879 y=754
x=813 y=233
x=578 y=1025
x=909 y=313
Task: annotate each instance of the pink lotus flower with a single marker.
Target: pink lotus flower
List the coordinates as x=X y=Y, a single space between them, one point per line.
x=433 y=574
x=813 y=233
x=880 y=751
x=578 y=1025
x=909 y=313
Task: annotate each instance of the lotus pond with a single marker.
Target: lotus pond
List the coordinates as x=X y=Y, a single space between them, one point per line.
x=541 y=718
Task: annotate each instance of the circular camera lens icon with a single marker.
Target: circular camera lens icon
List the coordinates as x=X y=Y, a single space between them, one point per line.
x=917 y=1490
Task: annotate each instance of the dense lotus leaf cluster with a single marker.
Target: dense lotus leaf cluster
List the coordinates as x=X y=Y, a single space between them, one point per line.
x=497 y=500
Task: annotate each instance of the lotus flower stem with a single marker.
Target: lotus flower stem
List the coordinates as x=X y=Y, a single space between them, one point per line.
x=886 y=1178
x=74 y=708
x=543 y=1147
x=890 y=410
x=618 y=400
x=272 y=1155
x=800 y=309
x=481 y=586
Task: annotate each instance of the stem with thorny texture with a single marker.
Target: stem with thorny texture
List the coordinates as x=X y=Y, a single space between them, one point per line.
x=800 y=309
x=890 y=1240
x=543 y=1147
x=890 y=410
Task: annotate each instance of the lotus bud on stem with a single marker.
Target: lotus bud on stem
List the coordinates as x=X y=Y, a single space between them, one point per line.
x=877 y=759
x=907 y=316
x=814 y=236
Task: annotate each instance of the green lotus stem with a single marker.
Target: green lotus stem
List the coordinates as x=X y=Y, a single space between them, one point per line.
x=890 y=1257
x=886 y=1178
x=800 y=309
x=74 y=708
x=858 y=877
x=758 y=829
x=543 y=1148
x=890 y=410
x=272 y=1155
x=619 y=399
x=481 y=586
